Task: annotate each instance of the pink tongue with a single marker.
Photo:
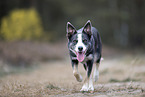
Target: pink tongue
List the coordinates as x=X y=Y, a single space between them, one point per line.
x=80 y=57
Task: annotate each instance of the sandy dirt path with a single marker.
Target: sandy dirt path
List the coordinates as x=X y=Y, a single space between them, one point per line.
x=118 y=77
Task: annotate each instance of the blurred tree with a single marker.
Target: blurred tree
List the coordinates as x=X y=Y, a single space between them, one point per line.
x=21 y=25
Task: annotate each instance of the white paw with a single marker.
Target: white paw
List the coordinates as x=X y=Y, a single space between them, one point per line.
x=91 y=88
x=85 y=87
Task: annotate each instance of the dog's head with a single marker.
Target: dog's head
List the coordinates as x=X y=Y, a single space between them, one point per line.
x=79 y=40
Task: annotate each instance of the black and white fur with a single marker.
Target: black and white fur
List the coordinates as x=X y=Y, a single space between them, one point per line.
x=85 y=47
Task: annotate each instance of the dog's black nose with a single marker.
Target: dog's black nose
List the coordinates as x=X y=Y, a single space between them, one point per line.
x=80 y=48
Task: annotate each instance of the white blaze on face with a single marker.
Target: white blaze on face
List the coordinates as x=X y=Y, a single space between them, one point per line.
x=80 y=55
x=80 y=43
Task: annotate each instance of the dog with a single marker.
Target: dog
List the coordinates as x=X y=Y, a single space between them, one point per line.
x=85 y=47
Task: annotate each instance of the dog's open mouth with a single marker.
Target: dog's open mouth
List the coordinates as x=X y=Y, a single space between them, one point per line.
x=80 y=56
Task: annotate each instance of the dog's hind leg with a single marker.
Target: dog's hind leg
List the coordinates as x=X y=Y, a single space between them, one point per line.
x=98 y=56
x=96 y=72
x=76 y=73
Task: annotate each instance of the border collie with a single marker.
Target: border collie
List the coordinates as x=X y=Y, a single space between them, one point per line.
x=85 y=47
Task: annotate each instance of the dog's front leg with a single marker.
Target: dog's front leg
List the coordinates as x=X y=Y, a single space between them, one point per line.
x=88 y=83
x=75 y=71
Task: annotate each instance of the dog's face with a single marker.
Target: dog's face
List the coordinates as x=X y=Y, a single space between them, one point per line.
x=79 y=40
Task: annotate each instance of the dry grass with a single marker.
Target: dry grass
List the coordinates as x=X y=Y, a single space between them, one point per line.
x=26 y=53
x=55 y=79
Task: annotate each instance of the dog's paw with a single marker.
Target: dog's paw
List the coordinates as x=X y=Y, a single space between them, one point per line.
x=81 y=79
x=90 y=88
x=85 y=87
x=78 y=77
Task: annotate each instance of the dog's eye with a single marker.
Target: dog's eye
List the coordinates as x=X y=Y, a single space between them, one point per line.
x=75 y=41
x=85 y=41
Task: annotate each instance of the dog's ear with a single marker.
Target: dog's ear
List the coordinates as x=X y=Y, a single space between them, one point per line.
x=87 y=28
x=70 y=29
